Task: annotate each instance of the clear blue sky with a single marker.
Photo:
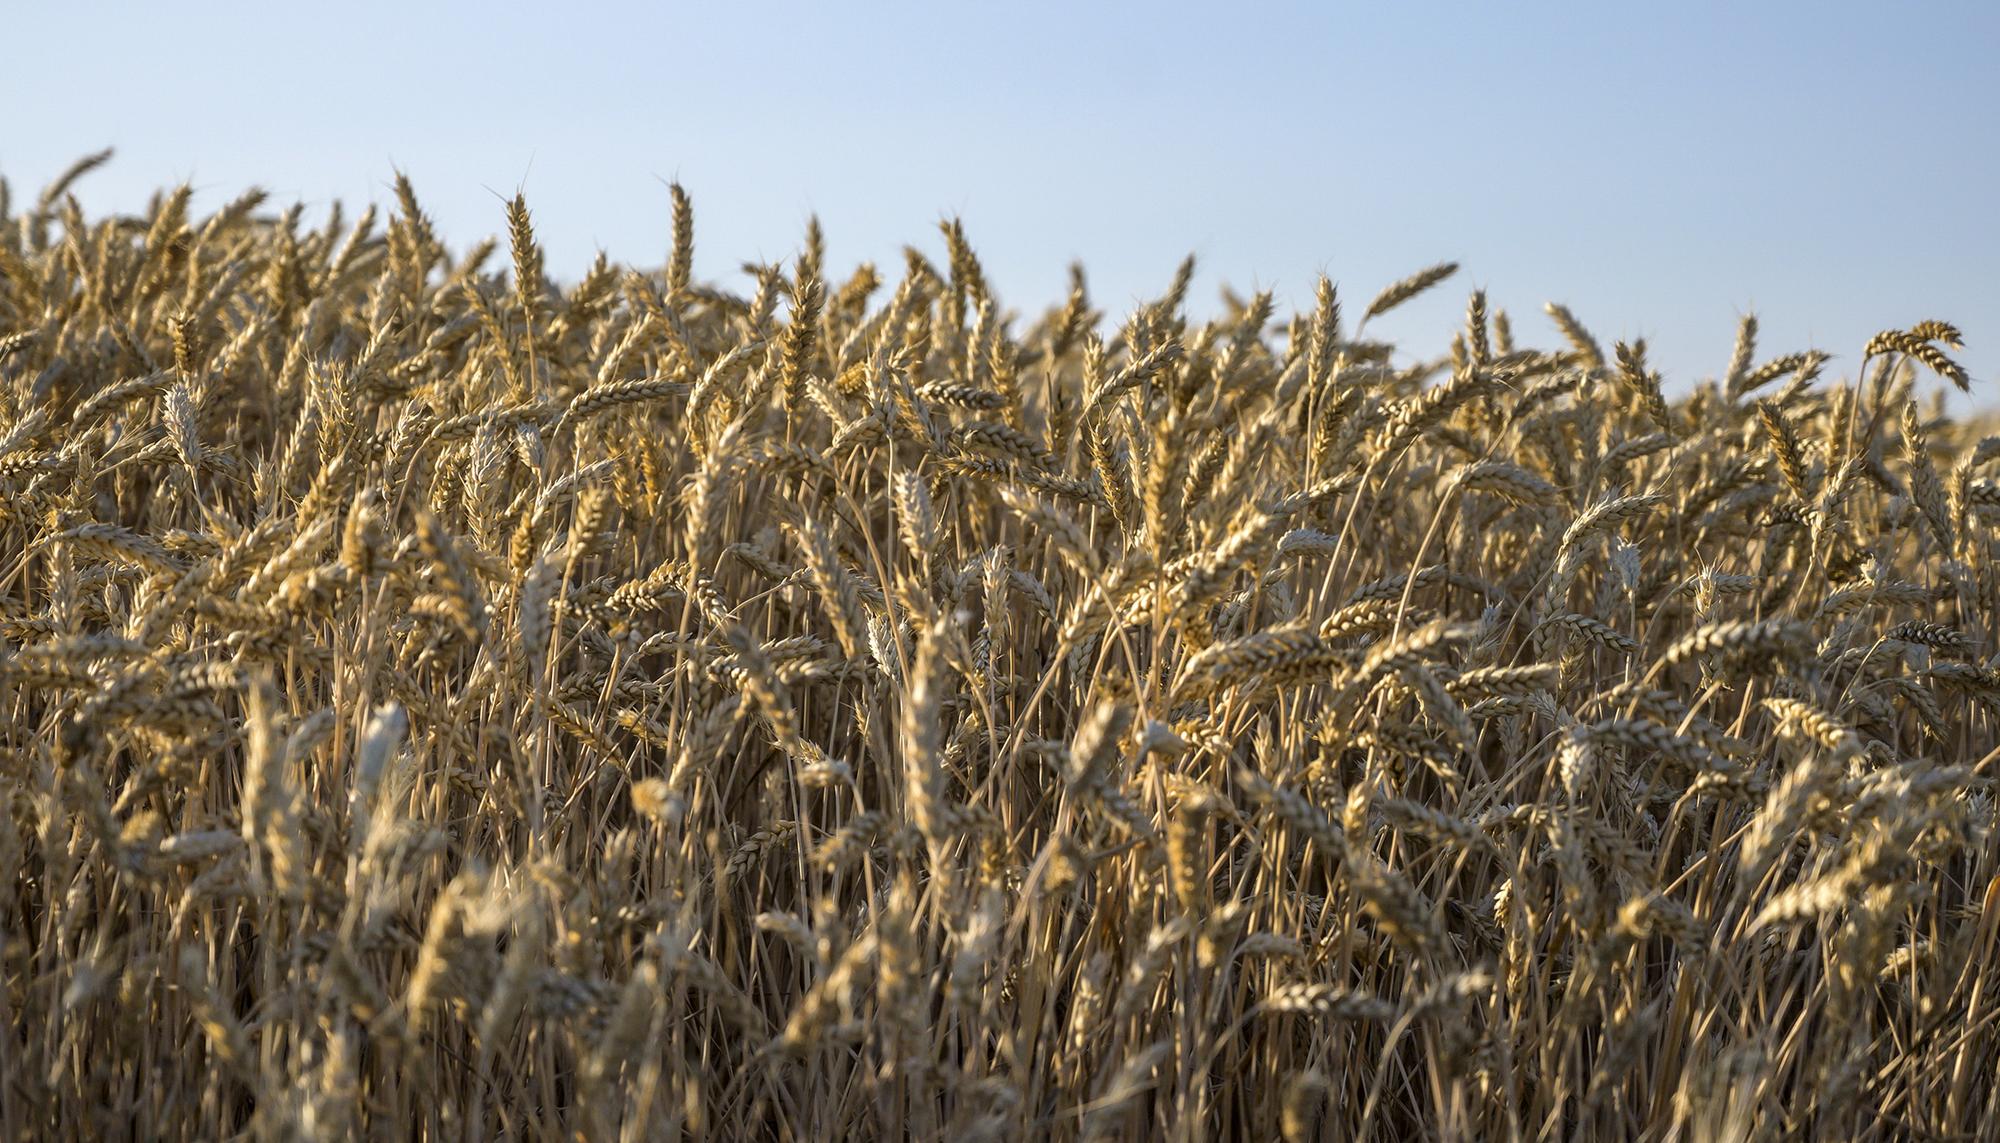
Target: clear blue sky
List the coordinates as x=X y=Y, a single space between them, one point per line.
x=1662 y=168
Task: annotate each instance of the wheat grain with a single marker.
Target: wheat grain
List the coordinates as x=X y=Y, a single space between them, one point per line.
x=442 y=705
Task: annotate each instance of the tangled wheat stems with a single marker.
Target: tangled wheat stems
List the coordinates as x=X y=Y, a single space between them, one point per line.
x=447 y=702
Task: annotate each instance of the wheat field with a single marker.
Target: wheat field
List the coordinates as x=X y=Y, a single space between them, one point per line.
x=442 y=702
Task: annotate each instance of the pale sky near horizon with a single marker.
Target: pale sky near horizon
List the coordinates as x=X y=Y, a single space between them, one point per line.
x=1662 y=169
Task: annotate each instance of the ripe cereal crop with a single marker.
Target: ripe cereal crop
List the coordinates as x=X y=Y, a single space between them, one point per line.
x=446 y=702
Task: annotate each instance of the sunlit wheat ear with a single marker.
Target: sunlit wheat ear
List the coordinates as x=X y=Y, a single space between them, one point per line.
x=1916 y=343
x=1399 y=292
x=801 y=337
x=1588 y=353
x=680 y=266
